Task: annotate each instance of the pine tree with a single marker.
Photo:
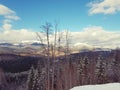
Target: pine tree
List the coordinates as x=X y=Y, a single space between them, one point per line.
x=36 y=81
x=30 y=79
x=100 y=70
x=116 y=66
x=3 y=81
x=82 y=70
x=85 y=70
x=41 y=76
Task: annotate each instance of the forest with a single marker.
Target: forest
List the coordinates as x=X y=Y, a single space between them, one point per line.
x=86 y=68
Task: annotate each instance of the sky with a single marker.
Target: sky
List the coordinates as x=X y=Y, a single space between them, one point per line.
x=96 y=22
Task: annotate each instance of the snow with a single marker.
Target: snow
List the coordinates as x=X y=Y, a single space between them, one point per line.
x=110 y=86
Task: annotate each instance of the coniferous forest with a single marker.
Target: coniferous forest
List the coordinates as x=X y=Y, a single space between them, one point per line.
x=64 y=72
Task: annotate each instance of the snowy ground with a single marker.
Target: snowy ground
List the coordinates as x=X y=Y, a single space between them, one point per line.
x=110 y=86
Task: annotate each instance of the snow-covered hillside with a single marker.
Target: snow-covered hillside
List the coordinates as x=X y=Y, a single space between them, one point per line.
x=110 y=86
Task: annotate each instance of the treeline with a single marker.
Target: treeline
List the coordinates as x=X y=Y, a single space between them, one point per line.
x=16 y=63
x=71 y=70
x=78 y=69
x=14 y=70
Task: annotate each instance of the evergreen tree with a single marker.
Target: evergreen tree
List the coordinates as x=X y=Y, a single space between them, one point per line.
x=83 y=70
x=36 y=81
x=3 y=81
x=30 y=79
x=41 y=76
x=100 y=70
x=80 y=71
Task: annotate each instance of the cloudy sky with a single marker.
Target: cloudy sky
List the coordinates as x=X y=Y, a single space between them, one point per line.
x=91 y=22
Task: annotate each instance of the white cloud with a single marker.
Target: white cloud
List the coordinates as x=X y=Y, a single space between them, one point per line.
x=13 y=17
x=7 y=26
x=78 y=46
x=89 y=37
x=8 y=33
x=17 y=35
x=96 y=36
x=104 y=6
x=8 y=13
x=5 y=10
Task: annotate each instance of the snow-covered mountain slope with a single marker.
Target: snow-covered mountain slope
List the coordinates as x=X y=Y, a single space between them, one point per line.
x=110 y=86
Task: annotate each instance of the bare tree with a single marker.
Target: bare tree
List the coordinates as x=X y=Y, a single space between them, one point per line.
x=47 y=30
x=66 y=69
x=67 y=43
x=40 y=39
x=51 y=48
x=54 y=54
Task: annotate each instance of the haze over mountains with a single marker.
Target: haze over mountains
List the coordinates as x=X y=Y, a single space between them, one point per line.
x=37 y=48
x=20 y=48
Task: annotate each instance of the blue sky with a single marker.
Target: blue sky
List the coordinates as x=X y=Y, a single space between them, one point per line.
x=70 y=14
x=91 y=22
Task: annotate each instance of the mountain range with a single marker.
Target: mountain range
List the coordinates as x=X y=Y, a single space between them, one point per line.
x=35 y=48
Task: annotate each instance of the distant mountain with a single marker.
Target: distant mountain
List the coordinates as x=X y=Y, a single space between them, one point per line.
x=6 y=44
x=37 y=44
x=6 y=50
x=21 y=48
x=102 y=49
x=36 y=48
